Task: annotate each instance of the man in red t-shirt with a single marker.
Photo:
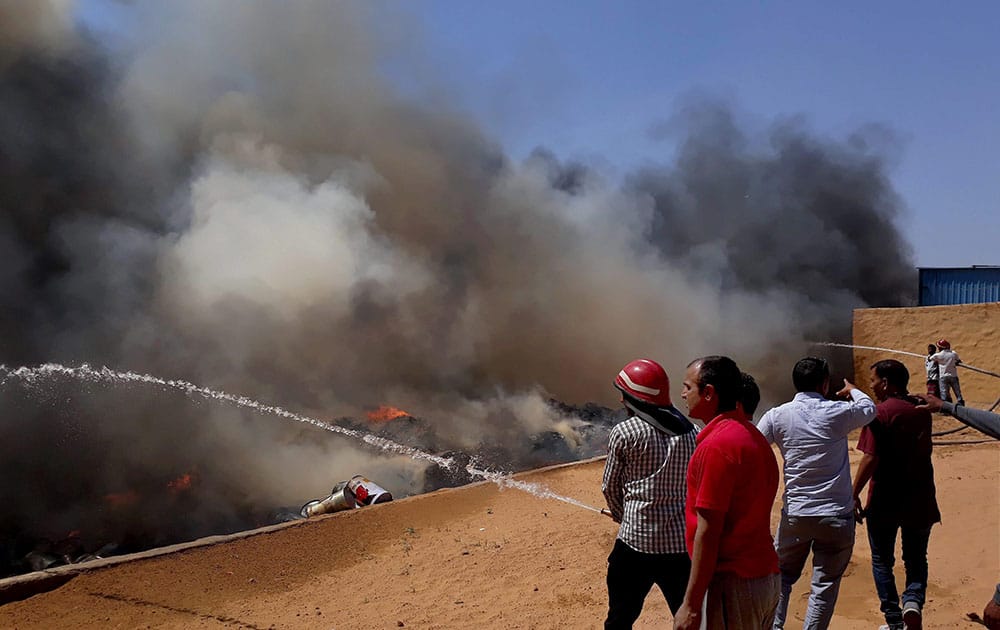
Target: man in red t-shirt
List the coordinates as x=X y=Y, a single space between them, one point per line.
x=901 y=498
x=731 y=485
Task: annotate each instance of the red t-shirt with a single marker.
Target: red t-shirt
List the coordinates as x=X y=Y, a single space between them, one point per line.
x=733 y=470
x=902 y=487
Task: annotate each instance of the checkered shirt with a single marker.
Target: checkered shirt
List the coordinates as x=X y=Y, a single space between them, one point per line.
x=645 y=484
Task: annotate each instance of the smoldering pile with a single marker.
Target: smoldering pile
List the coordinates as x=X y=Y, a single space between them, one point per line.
x=237 y=196
x=126 y=495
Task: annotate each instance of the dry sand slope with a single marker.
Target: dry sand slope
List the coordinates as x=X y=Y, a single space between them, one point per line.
x=479 y=557
x=972 y=329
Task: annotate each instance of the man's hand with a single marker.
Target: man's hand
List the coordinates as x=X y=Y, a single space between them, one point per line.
x=687 y=618
x=991 y=616
x=859 y=511
x=845 y=392
x=931 y=402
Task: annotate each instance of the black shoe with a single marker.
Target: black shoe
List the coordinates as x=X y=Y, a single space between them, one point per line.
x=911 y=616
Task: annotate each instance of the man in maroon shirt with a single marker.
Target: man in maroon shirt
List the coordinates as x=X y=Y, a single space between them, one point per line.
x=901 y=498
x=731 y=485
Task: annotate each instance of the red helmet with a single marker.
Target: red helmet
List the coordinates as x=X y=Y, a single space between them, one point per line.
x=645 y=380
x=943 y=343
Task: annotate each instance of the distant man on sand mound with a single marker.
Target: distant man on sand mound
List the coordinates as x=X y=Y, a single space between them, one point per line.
x=644 y=485
x=933 y=370
x=949 y=361
x=732 y=482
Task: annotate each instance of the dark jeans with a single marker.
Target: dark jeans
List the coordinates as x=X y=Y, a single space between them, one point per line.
x=632 y=573
x=882 y=538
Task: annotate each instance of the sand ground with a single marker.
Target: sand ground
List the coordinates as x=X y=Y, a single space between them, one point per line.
x=481 y=557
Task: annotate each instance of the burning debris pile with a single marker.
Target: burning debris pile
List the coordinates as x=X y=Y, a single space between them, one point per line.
x=133 y=522
x=584 y=435
x=143 y=506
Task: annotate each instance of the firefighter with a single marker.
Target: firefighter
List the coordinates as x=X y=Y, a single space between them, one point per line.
x=644 y=484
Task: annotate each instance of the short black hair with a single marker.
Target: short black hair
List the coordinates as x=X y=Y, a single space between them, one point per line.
x=931 y=348
x=724 y=375
x=894 y=372
x=749 y=394
x=809 y=374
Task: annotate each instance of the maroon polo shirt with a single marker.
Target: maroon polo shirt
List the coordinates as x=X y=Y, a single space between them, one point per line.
x=733 y=470
x=902 y=487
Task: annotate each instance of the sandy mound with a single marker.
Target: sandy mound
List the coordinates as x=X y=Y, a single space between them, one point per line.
x=972 y=330
x=479 y=557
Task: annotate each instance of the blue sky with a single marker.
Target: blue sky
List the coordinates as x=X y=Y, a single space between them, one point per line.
x=588 y=78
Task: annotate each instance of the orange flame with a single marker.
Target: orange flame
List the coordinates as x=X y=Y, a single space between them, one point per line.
x=386 y=413
x=181 y=484
x=121 y=499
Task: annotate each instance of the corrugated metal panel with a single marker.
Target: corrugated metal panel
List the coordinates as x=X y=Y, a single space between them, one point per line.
x=968 y=285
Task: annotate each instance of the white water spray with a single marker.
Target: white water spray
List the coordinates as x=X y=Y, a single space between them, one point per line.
x=107 y=375
x=505 y=480
x=847 y=345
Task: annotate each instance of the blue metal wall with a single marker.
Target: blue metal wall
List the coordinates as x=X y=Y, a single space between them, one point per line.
x=965 y=285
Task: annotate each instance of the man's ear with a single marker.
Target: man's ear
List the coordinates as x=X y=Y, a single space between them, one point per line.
x=708 y=392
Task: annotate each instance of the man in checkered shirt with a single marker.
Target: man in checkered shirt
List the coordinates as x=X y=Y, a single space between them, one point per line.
x=645 y=485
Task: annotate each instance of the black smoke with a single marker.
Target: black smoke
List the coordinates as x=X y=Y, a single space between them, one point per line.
x=791 y=213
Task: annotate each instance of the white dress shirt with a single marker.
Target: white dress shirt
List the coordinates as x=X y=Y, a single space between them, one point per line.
x=811 y=433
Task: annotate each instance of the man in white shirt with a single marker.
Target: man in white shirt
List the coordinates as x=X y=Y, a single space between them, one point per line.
x=949 y=362
x=933 y=371
x=818 y=505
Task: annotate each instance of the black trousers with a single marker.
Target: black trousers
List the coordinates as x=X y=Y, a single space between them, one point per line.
x=632 y=573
